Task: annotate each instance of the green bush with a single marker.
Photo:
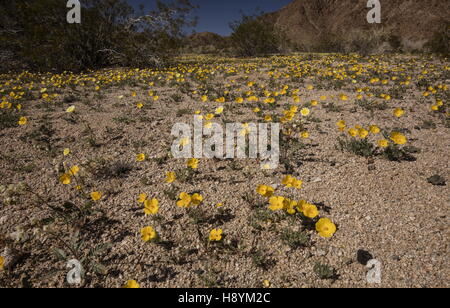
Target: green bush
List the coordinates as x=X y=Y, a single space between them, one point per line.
x=110 y=33
x=440 y=43
x=252 y=36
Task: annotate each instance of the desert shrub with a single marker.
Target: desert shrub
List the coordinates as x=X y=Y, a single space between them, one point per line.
x=395 y=42
x=364 y=42
x=360 y=147
x=8 y=119
x=328 y=43
x=253 y=37
x=324 y=271
x=110 y=33
x=440 y=42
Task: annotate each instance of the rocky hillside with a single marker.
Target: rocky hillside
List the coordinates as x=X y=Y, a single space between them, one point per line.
x=410 y=23
x=205 y=40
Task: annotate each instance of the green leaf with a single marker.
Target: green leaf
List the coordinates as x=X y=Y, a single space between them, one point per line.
x=60 y=254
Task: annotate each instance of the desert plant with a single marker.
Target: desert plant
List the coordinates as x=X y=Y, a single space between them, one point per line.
x=252 y=36
x=110 y=33
x=440 y=42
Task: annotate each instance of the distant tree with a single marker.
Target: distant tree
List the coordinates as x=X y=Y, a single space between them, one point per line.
x=252 y=36
x=110 y=33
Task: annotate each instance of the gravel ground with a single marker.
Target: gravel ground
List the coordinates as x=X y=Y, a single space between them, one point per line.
x=384 y=207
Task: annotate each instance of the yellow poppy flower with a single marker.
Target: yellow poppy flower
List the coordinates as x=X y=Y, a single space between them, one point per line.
x=131 y=284
x=151 y=207
x=215 y=235
x=325 y=227
x=148 y=234
x=140 y=157
x=96 y=195
x=23 y=121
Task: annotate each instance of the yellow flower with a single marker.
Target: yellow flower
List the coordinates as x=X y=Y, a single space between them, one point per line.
x=374 y=129
x=343 y=97
x=288 y=181
x=148 y=234
x=140 y=157
x=185 y=200
x=265 y=191
x=266 y=283
x=398 y=138
x=66 y=151
x=363 y=133
x=96 y=195
x=297 y=183
x=305 y=112
x=139 y=105
x=65 y=179
x=209 y=117
x=304 y=135
x=435 y=108
x=23 y=121
x=70 y=109
x=300 y=205
x=74 y=170
x=239 y=100
x=192 y=163
x=131 y=284
x=383 y=143
x=219 y=110
x=215 y=235
x=341 y=125
x=2 y=263
x=204 y=98
x=276 y=203
x=142 y=198
x=325 y=227
x=310 y=210
x=170 y=177
x=323 y=98
x=197 y=199
x=399 y=112
x=185 y=141
x=289 y=206
x=151 y=207
x=352 y=132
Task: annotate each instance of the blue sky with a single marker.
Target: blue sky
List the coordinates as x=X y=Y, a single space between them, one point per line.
x=215 y=15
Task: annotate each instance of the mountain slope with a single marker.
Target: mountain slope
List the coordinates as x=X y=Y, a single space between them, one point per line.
x=308 y=22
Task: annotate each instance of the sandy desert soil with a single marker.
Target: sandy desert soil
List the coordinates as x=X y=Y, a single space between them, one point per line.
x=383 y=201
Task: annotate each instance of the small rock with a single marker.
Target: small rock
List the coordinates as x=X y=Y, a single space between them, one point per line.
x=363 y=257
x=396 y=258
x=320 y=253
x=437 y=180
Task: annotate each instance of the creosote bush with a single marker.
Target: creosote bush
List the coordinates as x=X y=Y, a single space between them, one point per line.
x=110 y=33
x=252 y=36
